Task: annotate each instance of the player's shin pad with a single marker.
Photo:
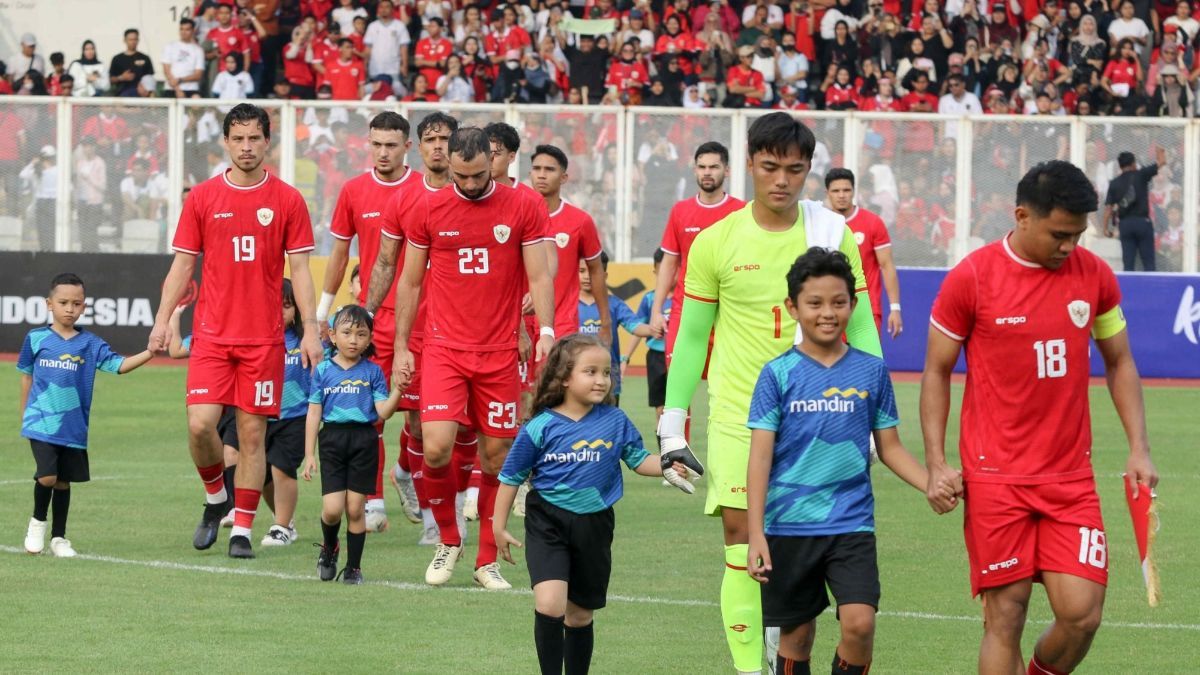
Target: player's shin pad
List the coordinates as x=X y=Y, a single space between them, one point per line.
x=674 y=446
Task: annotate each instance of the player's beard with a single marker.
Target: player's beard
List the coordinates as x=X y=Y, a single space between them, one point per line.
x=709 y=185
x=248 y=164
x=477 y=193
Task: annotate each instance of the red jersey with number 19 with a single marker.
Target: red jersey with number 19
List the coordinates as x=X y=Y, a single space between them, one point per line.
x=360 y=210
x=575 y=238
x=476 y=264
x=1026 y=331
x=871 y=235
x=244 y=234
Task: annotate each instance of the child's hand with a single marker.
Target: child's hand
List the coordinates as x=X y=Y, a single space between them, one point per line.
x=677 y=475
x=503 y=541
x=758 y=560
x=310 y=466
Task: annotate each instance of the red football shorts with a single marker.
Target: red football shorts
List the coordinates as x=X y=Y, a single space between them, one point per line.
x=249 y=377
x=1016 y=532
x=477 y=388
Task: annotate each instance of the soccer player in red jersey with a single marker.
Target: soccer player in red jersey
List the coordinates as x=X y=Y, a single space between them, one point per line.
x=1026 y=309
x=433 y=138
x=688 y=218
x=244 y=222
x=575 y=238
x=359 y=213
x=479 y=241
x=874 y=247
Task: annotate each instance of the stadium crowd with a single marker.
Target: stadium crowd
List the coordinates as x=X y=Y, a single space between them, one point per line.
x=1086 y=57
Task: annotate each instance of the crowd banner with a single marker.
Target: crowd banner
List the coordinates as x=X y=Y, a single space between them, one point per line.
x=1162 y=311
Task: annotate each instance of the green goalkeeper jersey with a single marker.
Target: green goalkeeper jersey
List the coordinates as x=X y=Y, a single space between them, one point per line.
x=742 y=269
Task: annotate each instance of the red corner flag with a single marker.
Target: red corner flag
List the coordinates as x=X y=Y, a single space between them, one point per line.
x=1145 y=529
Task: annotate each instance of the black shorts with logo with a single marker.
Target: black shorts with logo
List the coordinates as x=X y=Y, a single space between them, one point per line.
x=69 y=464
x=227 y=427
x=801 y=568
x=656 y=378
x=561 y=545
x=349 y=454
x=285 y=445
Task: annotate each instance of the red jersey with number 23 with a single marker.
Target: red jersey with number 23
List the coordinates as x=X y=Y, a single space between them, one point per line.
x=871 y=235
x=575 y=238
x=1027 y=331
x=360 y=212
x=244 y=234
x=476 y=264
x=687 y=220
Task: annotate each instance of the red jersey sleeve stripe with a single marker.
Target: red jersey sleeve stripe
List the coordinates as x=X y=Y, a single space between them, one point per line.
x=950 y=334
x=593 y=257
x=302 y=249
x=670 y=252
x=699 y=298
x=531 y=242
x=413 y=243
x=180 y=249
x=339 y=236
x=887 y=245
x=389 y=235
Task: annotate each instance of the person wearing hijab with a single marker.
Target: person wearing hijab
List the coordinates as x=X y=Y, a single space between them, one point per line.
x=1087 y=51
x=1171 y=99
x=91 y=76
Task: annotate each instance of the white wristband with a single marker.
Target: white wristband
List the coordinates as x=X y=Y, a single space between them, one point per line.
x=547 y=331
x=324 y=306
x=895 y=307
x=672 y=422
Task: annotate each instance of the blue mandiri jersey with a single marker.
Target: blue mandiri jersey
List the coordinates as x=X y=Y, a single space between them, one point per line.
x=820 y=483
x=575 y=465
x=64 y=371
x=622 y=317
x=297 y=381
x=348 y=394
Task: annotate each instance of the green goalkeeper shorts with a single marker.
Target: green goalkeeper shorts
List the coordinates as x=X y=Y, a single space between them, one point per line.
x=725 y=473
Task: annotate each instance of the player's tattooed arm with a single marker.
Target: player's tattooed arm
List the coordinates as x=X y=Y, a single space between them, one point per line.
x=382 y=273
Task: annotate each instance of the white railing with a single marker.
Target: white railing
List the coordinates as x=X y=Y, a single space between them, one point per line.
x=940 y=196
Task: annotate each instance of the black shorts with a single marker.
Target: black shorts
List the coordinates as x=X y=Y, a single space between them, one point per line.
x=803 y=566
x=69 y=464
x=572 y=547
x=285 y=445
x=349 y=456
x=227 y=427
x=656 y=378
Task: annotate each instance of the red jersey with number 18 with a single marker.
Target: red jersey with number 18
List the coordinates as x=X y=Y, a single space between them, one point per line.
x=476 y=264
x=1026 y=330
x=360 y=211
x=244 y=234
x=575 y=238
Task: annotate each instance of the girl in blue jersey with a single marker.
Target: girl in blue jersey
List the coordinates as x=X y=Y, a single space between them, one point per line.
x=285 y=436
x=571 y=450
x=58 y=365
x=348 y=395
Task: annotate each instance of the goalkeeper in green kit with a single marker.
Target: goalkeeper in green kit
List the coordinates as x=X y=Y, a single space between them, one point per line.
x=735 y=285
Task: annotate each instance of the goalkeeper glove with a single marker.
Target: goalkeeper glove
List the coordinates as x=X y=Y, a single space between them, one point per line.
x=673 y=447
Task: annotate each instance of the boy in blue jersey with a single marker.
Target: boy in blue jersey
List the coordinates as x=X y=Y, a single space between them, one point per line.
x=589 y=320
x=58 y=365
x=656 y=355
x=349 y=395
x=571 y=451
x=808 y=483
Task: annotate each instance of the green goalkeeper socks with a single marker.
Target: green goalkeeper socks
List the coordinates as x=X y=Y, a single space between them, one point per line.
x=741 y=610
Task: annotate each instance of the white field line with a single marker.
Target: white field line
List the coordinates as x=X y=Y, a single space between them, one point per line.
x=26 y=481
x=631 y=599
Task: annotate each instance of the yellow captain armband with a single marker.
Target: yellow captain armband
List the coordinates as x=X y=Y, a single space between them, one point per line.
x=1109 y=324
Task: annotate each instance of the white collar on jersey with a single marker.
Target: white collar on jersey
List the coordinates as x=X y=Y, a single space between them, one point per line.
x=491 y=189
x=1013 y=254
x=562 y=202
x=235 y=186
x=711 y=206
x=401 y=179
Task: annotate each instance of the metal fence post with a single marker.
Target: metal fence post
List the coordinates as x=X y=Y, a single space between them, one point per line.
x=66 y=175
x=963 y=183
x=1191 y=195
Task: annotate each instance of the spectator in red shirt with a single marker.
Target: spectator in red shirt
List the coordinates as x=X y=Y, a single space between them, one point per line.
x=840 y=93
x=421 y=90
x=346 y=74
x=227 y=38
x=727 y=19
x=254 y=33
x=919 y=136
x=678 y=42
x=432 y=51
x=788 y=99
x=1121 y=78
x=297 y=63
x=744 y=84
x=628 y=74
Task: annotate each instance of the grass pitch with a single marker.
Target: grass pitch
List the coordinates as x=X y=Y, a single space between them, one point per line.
x=139 y=598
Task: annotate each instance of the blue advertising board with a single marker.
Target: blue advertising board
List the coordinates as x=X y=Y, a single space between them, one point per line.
x=1162 y=310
